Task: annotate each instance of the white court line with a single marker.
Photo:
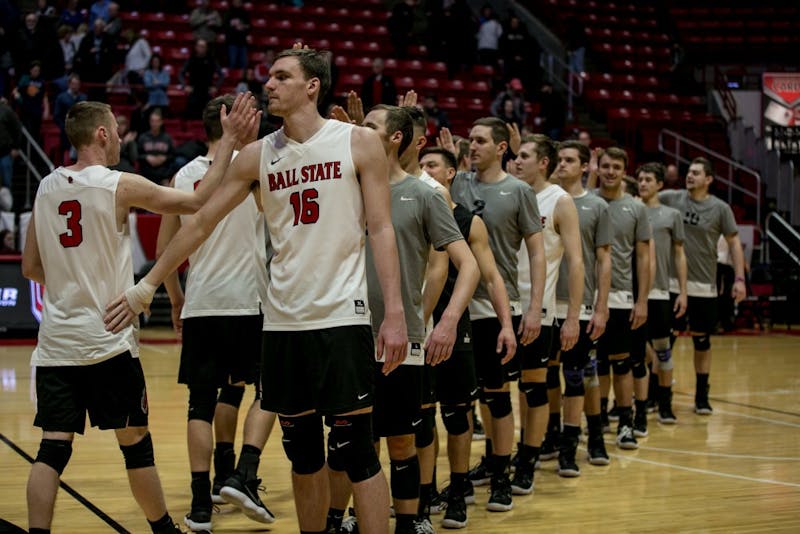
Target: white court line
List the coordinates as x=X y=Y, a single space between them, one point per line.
x=746 y=416
x=155 y=347
x=757 y=393
x=722 y=454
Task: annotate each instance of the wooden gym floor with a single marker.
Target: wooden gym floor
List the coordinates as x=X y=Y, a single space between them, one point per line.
x=736 y=471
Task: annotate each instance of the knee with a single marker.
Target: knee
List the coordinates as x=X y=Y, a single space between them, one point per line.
x=702 y=343
x=424 y=434
x=553 y=380
x=351 y=447
x=456 y=419
x=303 y=443
x=535 y=393
x=637 y=365
x=621 y=366
x=140 y=454
x=573 y=380
x=663 y=353
x=202 y=403
x=590 y=373
x=55 y=453
x=231 y=395
x=499 y=403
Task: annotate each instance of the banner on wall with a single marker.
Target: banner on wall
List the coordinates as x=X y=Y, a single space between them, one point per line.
x=781 y=108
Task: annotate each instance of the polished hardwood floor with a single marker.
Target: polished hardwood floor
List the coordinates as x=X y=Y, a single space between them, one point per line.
x=736 y=471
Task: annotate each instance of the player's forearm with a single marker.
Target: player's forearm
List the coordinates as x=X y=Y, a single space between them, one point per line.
x=187 y=240
x=643 y=271
x=737 y=257
x=464 y=289
x=576 y=275
x=215 y=173
x=538 y=273
x=603 y=281
x=498 y=295
x=681 y=269
x=435 y=280
x=33 y=272
x=387 y=265
x=174 y=290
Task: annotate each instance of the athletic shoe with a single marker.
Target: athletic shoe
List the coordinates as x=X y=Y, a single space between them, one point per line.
x=666 y=417
x=216 y=498
x=349 y=524
x=500 y=495
x=702 y=407
x=456 y=514
x=244 y=494
x=652 y=405
x=423 y=525
x=605 y=425
x=522 y=483
x=625 y=438
x=567 y=468
x=549 y=450
x=480 y=475
x=198 y=520
x=613 y=413
x=597 y=451
x=515 y=458
x=436 y=504
x=478 y=433
x=469 y=494
x=640 y=425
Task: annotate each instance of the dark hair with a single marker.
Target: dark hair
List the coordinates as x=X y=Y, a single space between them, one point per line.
x=83 y=119
x=398 y=120
x=418 y=118
x=545 y=148
x=498 y=127
x=654 y=168
x=462 y=146
x=583 y=151
x=615 y=152
x=707 y=168
x=211 y=116
x=314 y=64
x=447 y=156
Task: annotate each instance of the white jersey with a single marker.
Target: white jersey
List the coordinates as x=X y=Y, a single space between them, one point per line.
x=315 y=218
x=426 y=178
x=87 y=263
x=553 y=252
x=228 y=269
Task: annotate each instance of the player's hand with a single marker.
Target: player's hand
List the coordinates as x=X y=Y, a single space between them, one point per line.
x=739 y=291
x=530 y=326
x=594 y=159
x=506 y=339
x=298 y=45
x=355 y=108
x=177 y=322
x=638 y=314
x=445 y=141
x=239 y=121
x=339 y=114
x=408 y=100
x=597 y=324
x=681 y=303
x=393 y=341
x=570 y=330
x=514 y=137
x=124 y=309
x=439 y=345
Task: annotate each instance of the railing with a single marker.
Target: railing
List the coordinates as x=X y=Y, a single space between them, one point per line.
x=773 y=238
x=667 y=139
x=725 y=93
x=31 y=170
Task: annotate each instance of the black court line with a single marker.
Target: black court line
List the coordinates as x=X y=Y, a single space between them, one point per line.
x=66 y=487
x=743 y=405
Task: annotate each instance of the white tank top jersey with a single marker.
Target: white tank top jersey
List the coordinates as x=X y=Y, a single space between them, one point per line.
x=225 y=273
x=315 y=217
x=426 y=178
x=87 y=263
x=553 y=252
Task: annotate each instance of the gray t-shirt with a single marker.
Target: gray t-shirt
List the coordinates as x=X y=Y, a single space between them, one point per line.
x=421 y=219
x=510 y=212
x=703 y=223
x=629 y=225
x=595 y=229
x=667 y=228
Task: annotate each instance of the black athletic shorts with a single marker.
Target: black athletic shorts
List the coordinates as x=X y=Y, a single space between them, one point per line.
x=617 y=339
x=537 y=354
x=330 y=370
x=220 y=350
x=659 y=318
x=456 y=382
x=577 y=356
x=113 y=392
x=398 y=397
x=700 y=317
x=491 y=374
x=429 y=384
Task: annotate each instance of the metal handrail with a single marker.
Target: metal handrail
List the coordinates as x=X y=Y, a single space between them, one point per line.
x=773 y=216
x=679 y=139
x=32 y=143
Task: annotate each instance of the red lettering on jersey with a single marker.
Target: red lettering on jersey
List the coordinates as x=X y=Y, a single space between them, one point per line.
x=337 y=170
x=544 y=220
x=306 y=175
x=329 y=170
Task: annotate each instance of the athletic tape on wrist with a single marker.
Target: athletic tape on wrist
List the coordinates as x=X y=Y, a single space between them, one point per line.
x=140 y=296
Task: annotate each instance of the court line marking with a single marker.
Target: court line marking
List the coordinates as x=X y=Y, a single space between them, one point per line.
x=155 y=348
x=746 y=416
x=722 y=454
x=66 y=487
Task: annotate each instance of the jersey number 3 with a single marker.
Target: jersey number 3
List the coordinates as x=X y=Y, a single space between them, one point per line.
x=74 y=234
x=306 y=207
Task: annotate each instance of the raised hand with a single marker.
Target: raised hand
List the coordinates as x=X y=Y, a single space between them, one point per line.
x=515 y=139
x=338 y=113
x=445 y=141
x=408 y=100
x=355 y=108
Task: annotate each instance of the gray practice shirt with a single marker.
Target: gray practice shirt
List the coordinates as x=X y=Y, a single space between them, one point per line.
x=421 y=219
x=667 y=228
x=595 y=229
x=510 y=211
x=629 y=225
x=703 y=223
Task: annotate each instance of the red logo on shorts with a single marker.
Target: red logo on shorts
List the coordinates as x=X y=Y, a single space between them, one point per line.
x=144 y=401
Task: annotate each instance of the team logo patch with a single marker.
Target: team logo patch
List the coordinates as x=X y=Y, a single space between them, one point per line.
x=361 y=308
x=415 y=349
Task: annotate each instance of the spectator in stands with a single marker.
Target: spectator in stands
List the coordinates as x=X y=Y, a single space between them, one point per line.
x=201 y=77
x=672 y=178
x=237 y=28
x=520 y=53
x=8 y=243
x=489 y=33
x=576 y=45
x=99 y=10
x=68 y=48
x=248 y=82
x=378 y=88
x=553 y=112
x=261 y=70
x=401 y=27
x=437 y=118
x=458 y=33
x=156 y=81
x=95 y=60
x=585 y=138
x=64 y=101
x=205 y=22
x=44 y=9
x=78 y=36
x=31 y=98
x=514 y=91
x=129 y=152
x=508 y=113
x=10 y=135
x=156 y=151
x=114 y=23
x=72 y=16
x=36 y=41
x=138 y=57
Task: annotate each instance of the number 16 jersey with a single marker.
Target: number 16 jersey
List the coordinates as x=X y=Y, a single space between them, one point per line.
x=315 y=216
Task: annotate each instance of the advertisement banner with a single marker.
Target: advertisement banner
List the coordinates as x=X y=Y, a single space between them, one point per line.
x=781 y=107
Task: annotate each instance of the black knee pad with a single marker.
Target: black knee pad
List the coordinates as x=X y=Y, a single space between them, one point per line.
x=535 y=393
x=456 y=419
x=424 y=435
x=639 y=369
x=603 y=367
x=405 y=478
x=202 y=403
x=231 y=395
x=702 y=342
x=304 y=443
x=55 y=453
x=553 y=381
x=621 y=366
x=139 y=454
x=499 y=403
x=351 y=447
x=573 y=380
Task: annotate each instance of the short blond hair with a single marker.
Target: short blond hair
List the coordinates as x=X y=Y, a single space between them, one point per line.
x=83 y=119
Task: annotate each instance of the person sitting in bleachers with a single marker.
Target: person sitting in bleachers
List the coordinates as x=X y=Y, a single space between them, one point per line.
x=156 y=151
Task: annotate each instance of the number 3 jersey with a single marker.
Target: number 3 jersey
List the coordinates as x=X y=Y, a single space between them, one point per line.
x=87 y=263
x=315 y=217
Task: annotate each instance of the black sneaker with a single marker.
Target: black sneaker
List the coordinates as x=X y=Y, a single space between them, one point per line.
x=522 y=483
x=480 y=475
x=456 y=514
x=640 y=425
x=515 y=458
x=652 y=405
x=216 y=498
x=549 y=450
x=613 y=413
x=625 y=438
x=702 y=407
x=469 y=494
x=244 y=494
x=605 y=425
x=349 y=524
x=596 y=449
x=567 y=467
x=500 y=495
x=478 y=432
x=422 y=525
x=198 y=520
x=665 y=416
x=436 y=504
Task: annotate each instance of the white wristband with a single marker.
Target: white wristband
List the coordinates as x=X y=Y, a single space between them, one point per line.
x=140 y=296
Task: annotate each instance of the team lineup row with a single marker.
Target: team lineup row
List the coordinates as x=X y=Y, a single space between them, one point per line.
x=480 y=252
